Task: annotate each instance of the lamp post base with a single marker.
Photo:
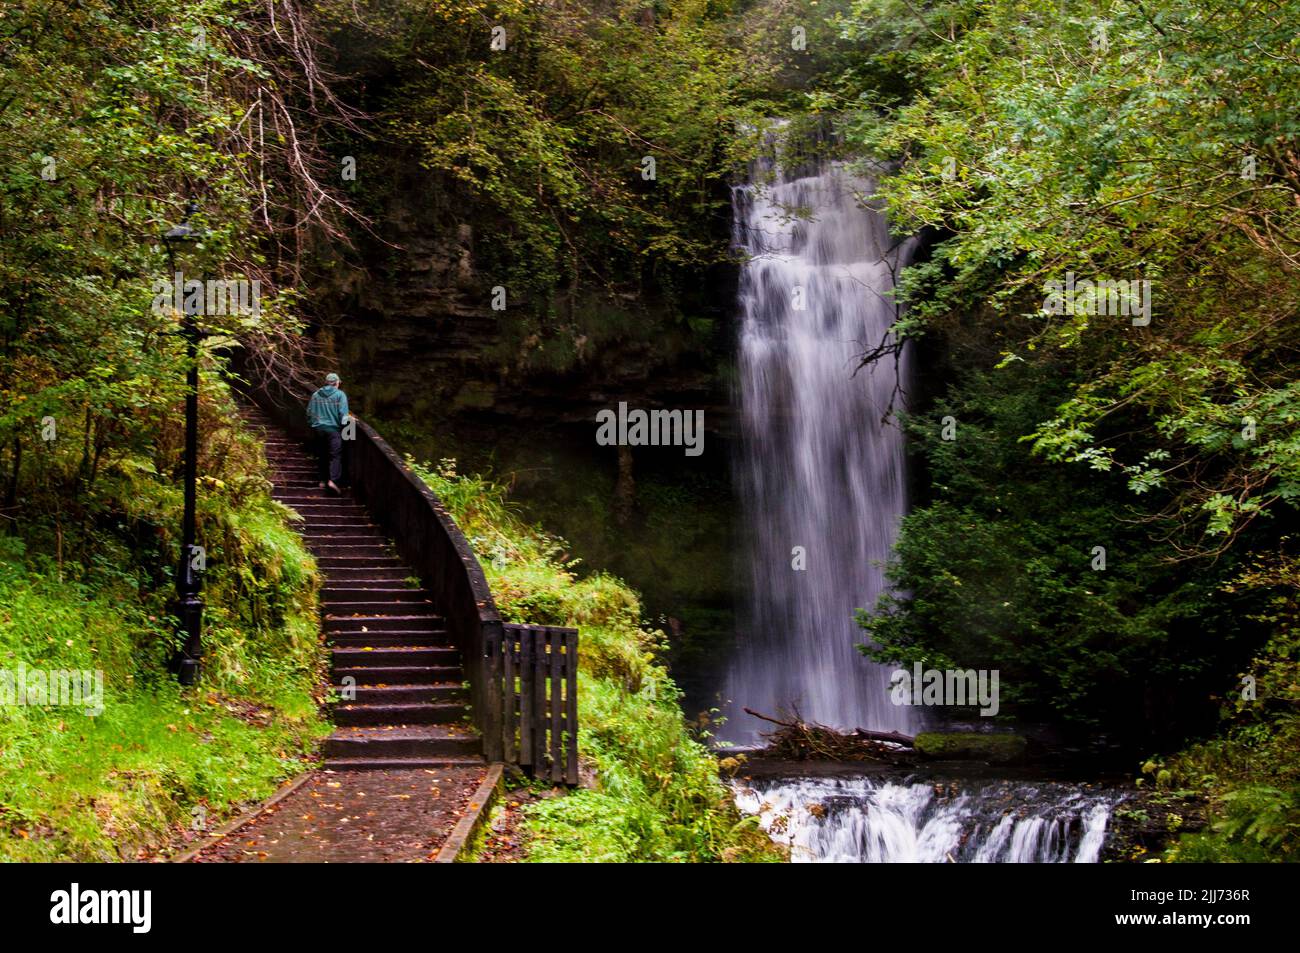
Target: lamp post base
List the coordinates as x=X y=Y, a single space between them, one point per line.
x=185 y=663
x=185 y=669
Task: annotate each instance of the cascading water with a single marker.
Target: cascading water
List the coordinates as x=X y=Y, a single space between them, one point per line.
x=821 y=471
x=822 y=485
x=867 y=820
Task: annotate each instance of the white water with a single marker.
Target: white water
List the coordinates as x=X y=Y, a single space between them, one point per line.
x=866 y=820
x=820 y=468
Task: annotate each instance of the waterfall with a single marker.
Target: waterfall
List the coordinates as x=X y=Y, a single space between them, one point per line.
x=866 y=820
x=820 y=472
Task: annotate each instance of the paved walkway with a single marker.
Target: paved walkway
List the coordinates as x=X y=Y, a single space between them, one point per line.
x=386 y=816
x=403 y=764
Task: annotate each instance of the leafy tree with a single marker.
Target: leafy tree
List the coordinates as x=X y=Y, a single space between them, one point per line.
x=1146 y=141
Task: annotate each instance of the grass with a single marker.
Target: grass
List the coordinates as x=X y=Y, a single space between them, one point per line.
x=159 y=760
x=657 y=795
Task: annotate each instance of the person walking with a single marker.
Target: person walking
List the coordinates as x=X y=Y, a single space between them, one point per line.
x=327 y=412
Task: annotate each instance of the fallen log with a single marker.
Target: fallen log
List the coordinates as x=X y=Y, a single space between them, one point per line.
x=797 y=740
x=893 y=737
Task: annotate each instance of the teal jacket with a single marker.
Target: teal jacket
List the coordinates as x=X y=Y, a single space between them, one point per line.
x=328 y=408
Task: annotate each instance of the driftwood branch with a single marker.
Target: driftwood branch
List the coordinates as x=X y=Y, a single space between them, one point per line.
x=800 y=740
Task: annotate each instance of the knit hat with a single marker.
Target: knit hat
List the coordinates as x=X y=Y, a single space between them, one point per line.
x=331 y=378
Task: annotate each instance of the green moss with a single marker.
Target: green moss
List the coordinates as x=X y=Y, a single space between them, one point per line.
x=970 y=746
x=475 y=394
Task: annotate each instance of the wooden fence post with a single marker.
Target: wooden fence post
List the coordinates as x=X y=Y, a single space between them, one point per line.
x=571 y=705
x=493 y=695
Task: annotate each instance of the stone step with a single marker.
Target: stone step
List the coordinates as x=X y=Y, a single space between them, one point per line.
x=314 y=514
x=400 y=764
x=316 y=542
x=360 y=562
x=401 y=741
x=380 y=592
x=376 y=615
x=409 y=622
x=346 y=536
x=306 y=494
x=444 y=693
x=343 y=523
x=367 y=577
x=409 y=713
x=402 y=640
x=355 y=656
x=378 y=675
x=332 y=506
x=371 y=602
x=376 y=548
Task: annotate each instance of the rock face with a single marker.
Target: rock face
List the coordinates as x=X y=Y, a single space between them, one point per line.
x=431 y=324
x=408 y=318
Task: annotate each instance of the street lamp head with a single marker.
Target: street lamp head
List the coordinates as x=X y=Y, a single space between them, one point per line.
x=184 y=232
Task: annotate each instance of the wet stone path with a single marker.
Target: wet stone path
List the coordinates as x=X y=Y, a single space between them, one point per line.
x=385 y=816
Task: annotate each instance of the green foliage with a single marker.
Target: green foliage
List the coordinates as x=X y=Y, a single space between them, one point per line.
x=552 y=131
x=1118 y=141
x=583 y=167
x=970 y=745
x=1000 y=575
x=1250 y=773
x=657 y=795
x=122 y=784
x=112 y=116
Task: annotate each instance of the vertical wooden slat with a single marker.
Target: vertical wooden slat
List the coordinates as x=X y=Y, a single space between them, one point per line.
x=509 y=644
x=571 y=705
x=526 y=673
x=539 y=700
x=555 y=639
x=490 y=716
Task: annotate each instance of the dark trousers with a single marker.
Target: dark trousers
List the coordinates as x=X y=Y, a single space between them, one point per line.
x=329 y=454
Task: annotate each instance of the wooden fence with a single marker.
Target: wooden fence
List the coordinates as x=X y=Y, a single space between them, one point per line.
x=537 y=669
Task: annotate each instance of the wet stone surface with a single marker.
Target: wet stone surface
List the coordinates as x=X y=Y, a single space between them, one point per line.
x=400 y=816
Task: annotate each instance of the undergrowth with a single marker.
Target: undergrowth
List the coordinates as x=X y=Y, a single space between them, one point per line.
x=656 y=794
x=86 y=588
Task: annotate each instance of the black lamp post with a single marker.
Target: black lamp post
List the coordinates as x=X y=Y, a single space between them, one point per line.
x=185 y=663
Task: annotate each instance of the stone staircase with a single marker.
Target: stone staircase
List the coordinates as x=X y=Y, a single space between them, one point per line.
x=404 y=703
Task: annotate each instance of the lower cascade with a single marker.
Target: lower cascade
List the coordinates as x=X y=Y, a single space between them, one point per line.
x=874 y=820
